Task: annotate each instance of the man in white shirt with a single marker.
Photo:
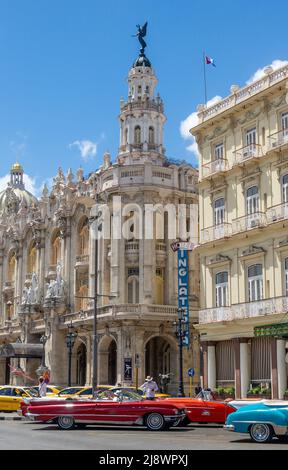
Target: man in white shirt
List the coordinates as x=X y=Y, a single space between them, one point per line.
x=42 y=389
x=149 y=388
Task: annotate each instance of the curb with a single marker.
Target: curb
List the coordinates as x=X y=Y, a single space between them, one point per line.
x=11 y=418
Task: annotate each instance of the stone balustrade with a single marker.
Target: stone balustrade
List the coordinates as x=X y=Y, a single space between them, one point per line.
x=214 y=167
x=243 y=94
x=273 y=306
x=249 y=222
x=216 y=232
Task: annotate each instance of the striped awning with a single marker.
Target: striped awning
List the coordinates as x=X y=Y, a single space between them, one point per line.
x=276 y=329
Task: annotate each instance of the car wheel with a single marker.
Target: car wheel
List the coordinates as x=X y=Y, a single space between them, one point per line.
x=65 y=422
x=155 y=422
x=261 y=432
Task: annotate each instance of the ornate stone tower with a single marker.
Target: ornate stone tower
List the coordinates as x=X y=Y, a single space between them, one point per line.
x=142 y=116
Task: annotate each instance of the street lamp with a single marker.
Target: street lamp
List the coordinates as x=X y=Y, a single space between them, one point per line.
x=70 y=341
x=180 y=333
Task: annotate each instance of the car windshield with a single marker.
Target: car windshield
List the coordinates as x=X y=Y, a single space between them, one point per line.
x=120 y=395
x=32 y=391
x=69 y=391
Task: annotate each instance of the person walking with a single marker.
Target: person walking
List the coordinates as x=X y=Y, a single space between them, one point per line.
x=149 y=388
x=42 y=388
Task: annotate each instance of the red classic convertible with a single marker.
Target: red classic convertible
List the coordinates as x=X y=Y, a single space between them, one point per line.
x=107 y=408
x=199 y=410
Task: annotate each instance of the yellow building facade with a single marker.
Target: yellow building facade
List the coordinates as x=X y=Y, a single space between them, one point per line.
x=243 y=210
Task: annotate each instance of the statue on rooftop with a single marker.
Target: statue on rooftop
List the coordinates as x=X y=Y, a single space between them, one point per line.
x=141 y=34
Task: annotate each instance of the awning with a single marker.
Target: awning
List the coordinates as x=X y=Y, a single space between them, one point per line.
x=276 y=329
x=25 y=350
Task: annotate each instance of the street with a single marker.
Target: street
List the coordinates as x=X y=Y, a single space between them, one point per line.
x=30 y=436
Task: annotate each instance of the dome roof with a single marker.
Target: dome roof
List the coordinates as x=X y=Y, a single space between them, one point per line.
x=17 y=167
x=142 y=60
x=11 y=199
x=15 y=196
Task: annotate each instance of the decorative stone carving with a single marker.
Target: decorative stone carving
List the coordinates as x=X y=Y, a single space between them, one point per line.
x=56 y=289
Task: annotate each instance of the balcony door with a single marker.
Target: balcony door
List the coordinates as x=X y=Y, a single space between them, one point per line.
x=255 y=282
x=221 y=289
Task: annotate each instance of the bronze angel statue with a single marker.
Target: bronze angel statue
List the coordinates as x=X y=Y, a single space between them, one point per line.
x=141 y=34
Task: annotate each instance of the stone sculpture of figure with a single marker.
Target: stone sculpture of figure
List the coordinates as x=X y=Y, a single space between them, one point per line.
x=141 y=34
x=34 y=289
x=25 y=295
x=51 y=291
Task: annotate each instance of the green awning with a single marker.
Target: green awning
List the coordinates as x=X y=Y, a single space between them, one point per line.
x=276 y=329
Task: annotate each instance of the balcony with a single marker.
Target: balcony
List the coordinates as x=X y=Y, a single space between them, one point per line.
x=216 y=232
x=214 y=167
x=278 y=140
x=249 y=222
x=215 y=315
x=82 y=262
x=123 y=311
x=274 y=306
x=277 y=213
x=249 y=153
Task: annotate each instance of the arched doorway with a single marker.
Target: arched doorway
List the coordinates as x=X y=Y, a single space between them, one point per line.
x=159 y=357
x=107 y=352
x=81 y=364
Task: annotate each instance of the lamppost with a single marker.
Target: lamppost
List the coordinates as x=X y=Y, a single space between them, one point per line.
x=180 y=333
x=70 y=341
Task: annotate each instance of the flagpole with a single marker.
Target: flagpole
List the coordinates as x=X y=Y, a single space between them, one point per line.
x=205 y=81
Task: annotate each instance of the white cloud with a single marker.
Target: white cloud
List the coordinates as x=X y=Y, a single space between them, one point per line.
x=87 y=148
x=276 y=64
x=191 y=121
x=30 y=184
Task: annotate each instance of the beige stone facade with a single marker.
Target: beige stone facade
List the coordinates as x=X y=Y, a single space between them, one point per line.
x=47 y=261
x=243 y=209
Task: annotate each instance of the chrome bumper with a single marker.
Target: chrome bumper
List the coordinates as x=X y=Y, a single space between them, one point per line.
x=172 y=418
x=229 y=427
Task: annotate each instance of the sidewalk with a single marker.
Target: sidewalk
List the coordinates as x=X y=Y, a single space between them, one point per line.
x=12 y=416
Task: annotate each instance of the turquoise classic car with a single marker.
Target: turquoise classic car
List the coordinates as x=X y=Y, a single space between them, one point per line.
x=262 y=421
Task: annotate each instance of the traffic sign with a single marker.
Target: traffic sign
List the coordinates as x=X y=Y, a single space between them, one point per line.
x=191 y=372
x=185 y=246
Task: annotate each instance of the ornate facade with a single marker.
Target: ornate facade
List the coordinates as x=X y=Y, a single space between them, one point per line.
x=243 y=201
x=47 y=260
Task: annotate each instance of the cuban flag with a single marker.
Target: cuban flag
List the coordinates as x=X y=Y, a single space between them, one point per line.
x=209 y=61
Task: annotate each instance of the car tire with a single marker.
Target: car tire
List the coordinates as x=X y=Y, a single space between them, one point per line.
x=65 y=422
x=155 y=422
x=261 y=433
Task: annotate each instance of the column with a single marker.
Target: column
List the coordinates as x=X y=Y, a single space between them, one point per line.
x=274 y=371
x=237 y=368
x=211 y=352
x=245 y=367
x=281 y=367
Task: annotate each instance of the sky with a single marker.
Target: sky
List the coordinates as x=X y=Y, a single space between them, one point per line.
x=64 y=66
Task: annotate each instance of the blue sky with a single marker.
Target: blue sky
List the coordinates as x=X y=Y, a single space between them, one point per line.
x=64 y=63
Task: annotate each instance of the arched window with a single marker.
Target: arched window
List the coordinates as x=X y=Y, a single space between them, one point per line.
x=32 y=259
x=151 y=135
x=133 y=290
x=219 y=211
x=84 y=238
x=255 y=282
x=12 y=267
x=56 y=248
x=137 y=135
x=286 y=275
x=221 y=289
x=285 y=189
x=252 y=200
x=159 y=287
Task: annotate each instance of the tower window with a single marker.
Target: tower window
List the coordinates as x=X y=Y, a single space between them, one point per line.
x=151 y=135
x=137 y=135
